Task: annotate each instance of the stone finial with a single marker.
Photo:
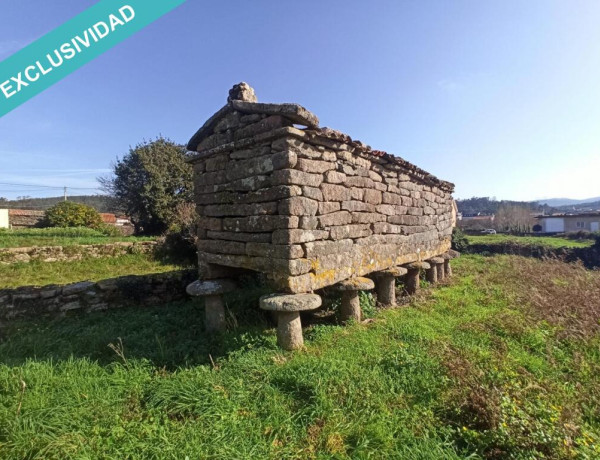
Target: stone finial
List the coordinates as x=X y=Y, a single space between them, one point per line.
x=242 y=92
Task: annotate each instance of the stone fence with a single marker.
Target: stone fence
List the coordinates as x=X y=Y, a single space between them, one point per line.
x=589 y=256
x=76 y=252
x=145 y=290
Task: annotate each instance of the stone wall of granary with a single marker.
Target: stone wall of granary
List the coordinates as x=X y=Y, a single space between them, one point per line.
x=47 y=301
x=309 y=207
x=75 y=252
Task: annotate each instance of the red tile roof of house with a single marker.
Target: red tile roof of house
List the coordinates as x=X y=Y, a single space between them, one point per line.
x=25 y=212
x=108 y=218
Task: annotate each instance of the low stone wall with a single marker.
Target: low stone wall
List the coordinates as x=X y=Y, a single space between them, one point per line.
x=76 y=252
x=590 y=257
x=35 y=302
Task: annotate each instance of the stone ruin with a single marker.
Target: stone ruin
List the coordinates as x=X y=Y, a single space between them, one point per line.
x=310 y=208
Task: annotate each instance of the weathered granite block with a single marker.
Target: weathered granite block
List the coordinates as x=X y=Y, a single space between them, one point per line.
x=308 y=206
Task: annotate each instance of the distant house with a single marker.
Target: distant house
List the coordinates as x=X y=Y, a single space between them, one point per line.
x=20 y=218
x=25 y=218
x=478 y=216
x=477 y=221
x=108 y=218
x=123 y=223
x=561 y=223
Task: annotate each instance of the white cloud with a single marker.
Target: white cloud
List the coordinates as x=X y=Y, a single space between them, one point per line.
x=9 y=47
x=449 y=85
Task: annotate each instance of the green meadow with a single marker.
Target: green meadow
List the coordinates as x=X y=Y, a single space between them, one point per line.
x=502 y=361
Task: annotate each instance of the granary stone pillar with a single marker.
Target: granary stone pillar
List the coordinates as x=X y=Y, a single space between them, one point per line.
x=214 y=308
x=385 y=285
x=350 y=307
x=441 y=272
x=432 y=272
x=447 y=269
x=288 y=308
x=411 y=281
x=451 y=254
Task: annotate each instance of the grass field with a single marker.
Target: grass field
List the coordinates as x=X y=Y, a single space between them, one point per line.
x=58 y=237
x=37 y=273
x=504 y=362
x=547 y=241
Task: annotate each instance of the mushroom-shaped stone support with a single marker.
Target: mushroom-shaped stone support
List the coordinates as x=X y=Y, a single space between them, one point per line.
x=451 y=254
x=411 y=281
x=441 y=271
x=288 y=308
x=212 y=291
x=385 y=285
x=350 y=308
x=432 y=273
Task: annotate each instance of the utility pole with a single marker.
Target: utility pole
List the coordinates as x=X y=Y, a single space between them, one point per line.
x=65 y=193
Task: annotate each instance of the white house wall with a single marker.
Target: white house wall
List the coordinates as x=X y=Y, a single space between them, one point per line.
x=4 y=223
x=555 y=225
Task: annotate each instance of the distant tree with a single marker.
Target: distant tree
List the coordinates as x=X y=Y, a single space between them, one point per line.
x=489 y=206
x=69 y=214
x=100 y=203
x=514 y=218
x=150 y=182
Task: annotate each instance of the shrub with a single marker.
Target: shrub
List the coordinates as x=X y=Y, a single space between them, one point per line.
x=109 y=230
x=459 y=240
x=579 y=235
x=179 y=243
x=173 y=248
x=70 y=214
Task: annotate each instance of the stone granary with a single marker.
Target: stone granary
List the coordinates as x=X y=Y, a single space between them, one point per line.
x=310 y=208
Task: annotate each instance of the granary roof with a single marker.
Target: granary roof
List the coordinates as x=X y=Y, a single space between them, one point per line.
x=242 y=99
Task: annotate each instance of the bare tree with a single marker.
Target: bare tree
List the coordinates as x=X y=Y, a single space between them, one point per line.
x=514 y=219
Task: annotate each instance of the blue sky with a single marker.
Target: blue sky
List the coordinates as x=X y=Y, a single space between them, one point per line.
x=500 y=97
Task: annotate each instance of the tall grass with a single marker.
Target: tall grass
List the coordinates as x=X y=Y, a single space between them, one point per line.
x=473 y=369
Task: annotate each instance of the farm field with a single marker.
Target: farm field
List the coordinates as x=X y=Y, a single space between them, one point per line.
x=37 y=273
x=547 y=241
x=500 y=362
x=59 y=237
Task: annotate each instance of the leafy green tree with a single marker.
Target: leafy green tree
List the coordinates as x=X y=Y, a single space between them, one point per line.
x=69 y=214
x=150 y=182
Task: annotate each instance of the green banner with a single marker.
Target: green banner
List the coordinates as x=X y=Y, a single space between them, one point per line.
x=70 y=46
